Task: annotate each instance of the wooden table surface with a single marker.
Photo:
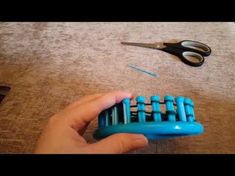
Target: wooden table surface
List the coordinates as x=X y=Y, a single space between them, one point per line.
x=49 y=65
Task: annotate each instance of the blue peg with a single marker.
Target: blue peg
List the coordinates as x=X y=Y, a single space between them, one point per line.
x=114 y=116
x=107 y=118
x=180 y=108
x=126 y=110
x=156 y=108
x=141 y=108
x=189 y=109
x=169 y=101
x=101 y=119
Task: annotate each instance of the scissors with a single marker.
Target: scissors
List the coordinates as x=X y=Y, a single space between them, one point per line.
x=190 y=52
x=3 y=91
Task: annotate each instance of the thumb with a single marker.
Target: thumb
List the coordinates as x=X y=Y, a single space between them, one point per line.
x=120 y=143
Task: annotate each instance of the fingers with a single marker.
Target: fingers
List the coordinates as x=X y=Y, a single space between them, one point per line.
x=118 y=143
x=82 y=130
x=86 y=112
x=85 y=99
x=108 y=100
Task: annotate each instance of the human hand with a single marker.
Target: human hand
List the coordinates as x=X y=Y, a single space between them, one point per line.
x=63 y=133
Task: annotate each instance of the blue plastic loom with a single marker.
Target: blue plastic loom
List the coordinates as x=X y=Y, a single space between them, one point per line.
x=177 y=120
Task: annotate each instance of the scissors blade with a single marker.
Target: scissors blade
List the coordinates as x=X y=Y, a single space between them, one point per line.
x=145 y=45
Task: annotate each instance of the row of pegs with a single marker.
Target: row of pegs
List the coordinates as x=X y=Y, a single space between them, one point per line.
x=184 y=110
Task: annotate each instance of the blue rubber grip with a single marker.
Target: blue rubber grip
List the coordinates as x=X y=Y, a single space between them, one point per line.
x=189 y=109
x=155 y=101
x=169 y=101
x=180 y=108
x=140 y=100
x=126 y=110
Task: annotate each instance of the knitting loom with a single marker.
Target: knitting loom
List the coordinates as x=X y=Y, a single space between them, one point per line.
x=177 y=120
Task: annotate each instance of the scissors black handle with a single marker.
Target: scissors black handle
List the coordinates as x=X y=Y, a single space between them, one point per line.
x=190 y=52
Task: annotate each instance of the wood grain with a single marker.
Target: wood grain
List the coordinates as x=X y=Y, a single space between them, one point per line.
x=49 y=65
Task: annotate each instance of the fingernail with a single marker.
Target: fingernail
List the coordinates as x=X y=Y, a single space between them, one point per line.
x=141 y=139
x=129 y=94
